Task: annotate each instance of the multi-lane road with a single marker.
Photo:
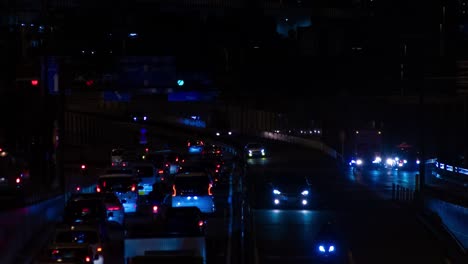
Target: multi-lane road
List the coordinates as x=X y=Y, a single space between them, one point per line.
x=371 y=229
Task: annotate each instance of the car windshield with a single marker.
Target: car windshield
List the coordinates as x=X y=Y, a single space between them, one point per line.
x=79 y=237
x=254 y=146
x=117 y=152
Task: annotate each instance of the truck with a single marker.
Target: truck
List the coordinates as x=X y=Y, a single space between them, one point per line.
x=143 y=245
x=367 y=149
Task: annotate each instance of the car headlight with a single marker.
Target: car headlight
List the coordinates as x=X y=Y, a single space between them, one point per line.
x=377 y=160
x=390 y=161
x=359 y=162
x=217 y=133
x=417 y=162
x=250 y=151
x=276 y=192
x=326 y=248
x=305 y=192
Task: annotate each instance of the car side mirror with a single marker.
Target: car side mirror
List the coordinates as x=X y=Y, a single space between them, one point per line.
x=123 y=201
x=110 y=214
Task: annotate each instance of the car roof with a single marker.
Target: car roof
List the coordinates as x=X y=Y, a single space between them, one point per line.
x=77 y=228
x=190 y=174
x=116 y=175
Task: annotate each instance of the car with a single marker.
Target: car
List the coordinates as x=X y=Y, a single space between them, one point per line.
x=115 y=210
x=117 y=156
x=252 y=150
x=86 y=212
x=67 y=254
x=184 y=220
x=139 y=117
x=124 y=186
x=75 y=235
x=223 y=132
x=195 y=146
x=147 y=176
x=193 y=189
x=292 y=191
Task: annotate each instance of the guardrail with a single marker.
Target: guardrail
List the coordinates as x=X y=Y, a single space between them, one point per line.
x=318 y=145
x=451 y=173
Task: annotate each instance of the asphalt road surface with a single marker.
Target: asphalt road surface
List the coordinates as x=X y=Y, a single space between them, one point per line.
x=369 y=229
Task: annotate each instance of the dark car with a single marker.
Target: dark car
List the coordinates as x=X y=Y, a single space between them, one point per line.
x=87 y=212
x=67 y=254
x=289 y=191
x=184 y=220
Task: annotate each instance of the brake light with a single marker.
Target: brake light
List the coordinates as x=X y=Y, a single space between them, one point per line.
x=85 y=210
x=218 y=151
x=147 y=150
x=188 y=144
x=209 y=189
x=88 y=259
x=177 y=159
x=83 y=166
x=113 y=164
x=155 y=209
x=124 y=164
x=133 y=188
x=18 y=180
x=200 y=223
x=99 y=249
x=113 y=208
x=98 y=189
x=55 y=251
x=78 y=188
x=160 y=171
x=217 y=171
x=167 y=164
x=183 y=161
x=174 y=191
x=218 y=165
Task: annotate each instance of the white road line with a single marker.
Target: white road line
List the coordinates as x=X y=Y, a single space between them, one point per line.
x=231 y=216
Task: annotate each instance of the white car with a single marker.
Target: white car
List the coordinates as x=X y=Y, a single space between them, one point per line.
x=67 y=236
x=124 y=186
x=193 y=190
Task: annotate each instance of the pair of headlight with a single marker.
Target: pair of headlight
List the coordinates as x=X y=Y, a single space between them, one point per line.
x=277 y=192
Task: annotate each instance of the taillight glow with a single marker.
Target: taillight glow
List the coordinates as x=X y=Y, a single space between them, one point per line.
x=18 y=180
x=99 y=249
x=147 y=150
x=174 y=191
x=167 y=164
x=177 y=159
x=155 y=209
x=113 y=208
x=133 y=188
x=55 y=251
x=83 y=166
x=78 y=188
x=200 y=223
x=85 y=210
x=98 y=189
x=218 y=165
x=160 y=171
x=88 y=259
x=188 y=144
x=113 y=164
x=209 y=189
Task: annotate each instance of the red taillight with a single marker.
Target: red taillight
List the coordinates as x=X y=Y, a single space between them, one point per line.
x=147 y=150
x=188 y=144
x=88 y=259
x=174 y=191
x=162 y=178
x=99 y=249
x=216 y=171
x=177 y=159
x=160 y=171
x=167 y=164
x=209 y=189
x=218 y=151
x=133 y=188
x=85 y=210
x=18 y=180
x=113 y=208
x=78 y=188
x=113 y=164
x=155 y=209
x=55 y=251
x=200 y=223
x=124 y=164
x=83 y=166
x=98 y=189
x=218 y=165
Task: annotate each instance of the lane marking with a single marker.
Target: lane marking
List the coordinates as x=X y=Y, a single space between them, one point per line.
x=231 y=216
